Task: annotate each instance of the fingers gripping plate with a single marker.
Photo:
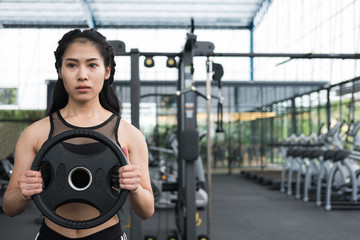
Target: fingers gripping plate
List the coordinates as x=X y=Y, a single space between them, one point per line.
x=71 y=177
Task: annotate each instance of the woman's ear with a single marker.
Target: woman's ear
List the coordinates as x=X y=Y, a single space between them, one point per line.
x=59 y=73
x=107 y=73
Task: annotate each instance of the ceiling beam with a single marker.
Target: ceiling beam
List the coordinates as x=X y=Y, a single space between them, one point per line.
x=261 y=13
x=89 y=14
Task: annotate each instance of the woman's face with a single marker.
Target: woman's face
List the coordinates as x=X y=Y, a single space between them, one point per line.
x=83 y=72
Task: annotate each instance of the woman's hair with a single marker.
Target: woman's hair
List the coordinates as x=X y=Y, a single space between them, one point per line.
x=107 y=96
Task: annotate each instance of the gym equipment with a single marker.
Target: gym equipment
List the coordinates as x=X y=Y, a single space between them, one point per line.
x=345 y=163
x=316 y=158
x=324 y=159
x=334 y=143
x=6 y=168
x=308 y=157
x=187 y=133
x=186 y=115
x=187 y=147
x=315 y=155
x=290 y=149
x=218 y=73
x=163 y=174
x=306 y=161
x=85 y=178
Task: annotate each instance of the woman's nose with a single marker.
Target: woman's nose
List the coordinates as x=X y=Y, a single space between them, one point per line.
x=83 y=73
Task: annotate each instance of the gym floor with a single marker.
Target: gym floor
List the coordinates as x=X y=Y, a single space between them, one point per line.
x=242 y=209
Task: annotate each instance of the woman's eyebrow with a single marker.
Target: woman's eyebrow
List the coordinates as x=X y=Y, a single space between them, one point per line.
x=71 y=59
x=92 y=59
x=76 y=60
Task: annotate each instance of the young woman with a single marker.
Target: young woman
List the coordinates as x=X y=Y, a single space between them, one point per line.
x=83 y=97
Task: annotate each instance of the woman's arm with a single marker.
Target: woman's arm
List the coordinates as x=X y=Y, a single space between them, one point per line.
x=135 y=177
x=24 y=183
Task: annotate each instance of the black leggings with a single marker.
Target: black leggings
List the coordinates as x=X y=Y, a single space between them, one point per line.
x=111 y=233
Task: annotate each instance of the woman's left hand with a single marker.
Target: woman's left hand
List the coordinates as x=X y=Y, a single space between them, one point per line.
x=129 y=175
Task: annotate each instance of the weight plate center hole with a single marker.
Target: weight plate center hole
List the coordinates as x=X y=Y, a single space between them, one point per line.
x=80 y=178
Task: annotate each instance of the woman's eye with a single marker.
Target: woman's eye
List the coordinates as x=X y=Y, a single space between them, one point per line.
x=92 y=65
x=71 y=65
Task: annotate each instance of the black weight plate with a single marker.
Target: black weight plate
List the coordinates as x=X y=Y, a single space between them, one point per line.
x=58 y=189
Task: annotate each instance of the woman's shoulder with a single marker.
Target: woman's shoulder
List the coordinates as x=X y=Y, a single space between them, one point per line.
x=37 y=132
x=129 y=132
x=40 y=125
x=128 y=128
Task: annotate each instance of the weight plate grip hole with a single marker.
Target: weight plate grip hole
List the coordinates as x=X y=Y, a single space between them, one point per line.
x=80 y=178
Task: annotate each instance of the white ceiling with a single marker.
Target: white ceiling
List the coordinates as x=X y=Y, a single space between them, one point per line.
x=210 y=14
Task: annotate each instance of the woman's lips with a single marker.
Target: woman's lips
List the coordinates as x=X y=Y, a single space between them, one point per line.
x=82 y=88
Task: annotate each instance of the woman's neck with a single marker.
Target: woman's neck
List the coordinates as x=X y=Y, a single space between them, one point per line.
x=85 y=116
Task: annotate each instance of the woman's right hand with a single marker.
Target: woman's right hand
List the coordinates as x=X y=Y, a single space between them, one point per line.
x=30 y=183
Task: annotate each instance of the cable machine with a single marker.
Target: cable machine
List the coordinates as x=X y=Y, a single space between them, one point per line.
x=188 y=136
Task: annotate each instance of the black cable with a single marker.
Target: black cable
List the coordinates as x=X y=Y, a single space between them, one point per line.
x=219 y=127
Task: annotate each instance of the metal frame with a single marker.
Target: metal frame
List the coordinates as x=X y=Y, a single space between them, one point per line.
x=186 y=207
x=135 y=230
x=291 y=56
